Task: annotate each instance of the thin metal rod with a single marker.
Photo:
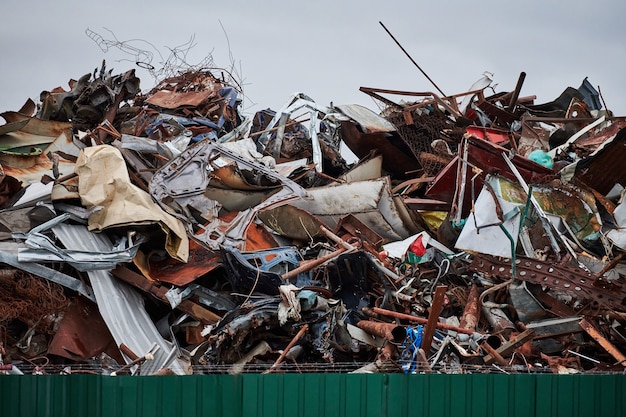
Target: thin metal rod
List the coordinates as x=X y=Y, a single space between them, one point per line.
x=297 y=337
x=412 y=60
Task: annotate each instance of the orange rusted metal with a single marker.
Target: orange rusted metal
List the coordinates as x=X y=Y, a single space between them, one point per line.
x=389 y=331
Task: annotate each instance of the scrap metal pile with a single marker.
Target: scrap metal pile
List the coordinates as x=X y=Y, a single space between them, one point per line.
x=167 y=232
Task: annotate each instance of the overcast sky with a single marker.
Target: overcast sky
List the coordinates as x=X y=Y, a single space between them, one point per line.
x=326 y=49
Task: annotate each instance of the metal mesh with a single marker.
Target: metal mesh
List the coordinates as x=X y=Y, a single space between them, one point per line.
x=420 y=135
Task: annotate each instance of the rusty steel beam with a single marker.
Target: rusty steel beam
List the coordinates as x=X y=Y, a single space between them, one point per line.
x=515 y=96
x=492 y=355
x=602 y=341
x=565 y=278
x=433 y=317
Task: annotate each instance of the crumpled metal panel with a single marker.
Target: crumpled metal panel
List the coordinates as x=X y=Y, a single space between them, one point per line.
x=34 y=126
x=180 y=188
x=121 y=307
x=368 y=201
x=200 y=262
x=259 y=271
x=487 y=157
x=42 y=248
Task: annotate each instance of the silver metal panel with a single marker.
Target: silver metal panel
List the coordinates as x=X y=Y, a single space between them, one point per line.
x=120 y=306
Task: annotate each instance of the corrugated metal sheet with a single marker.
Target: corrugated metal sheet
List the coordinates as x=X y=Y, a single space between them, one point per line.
x=315 y=395
x=121 y=306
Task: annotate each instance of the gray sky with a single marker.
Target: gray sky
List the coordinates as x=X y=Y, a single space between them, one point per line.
x=326 y=49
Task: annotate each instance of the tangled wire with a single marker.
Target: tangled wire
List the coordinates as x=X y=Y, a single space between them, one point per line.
x=29 y=299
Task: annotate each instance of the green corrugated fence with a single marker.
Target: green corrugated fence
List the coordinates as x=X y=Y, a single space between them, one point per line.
x=315 y=395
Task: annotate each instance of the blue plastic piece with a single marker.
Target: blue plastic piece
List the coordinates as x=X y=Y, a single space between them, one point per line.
x=410 y=347
x=542 y=158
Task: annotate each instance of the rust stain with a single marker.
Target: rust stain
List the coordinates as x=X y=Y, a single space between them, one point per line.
x=174 y=100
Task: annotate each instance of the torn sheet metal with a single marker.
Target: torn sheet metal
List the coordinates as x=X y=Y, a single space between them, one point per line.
x=570 y=209
x=369 y=201
x=8 y=255
x=82 y=334
x=104 y=181
x=43 y=249
x=201 y=261
x=494 y=224
x=174 y=100
x=397 y=157
x=121 y=307
x=368 y=168
x=604 y=167
x=54 y=157
x=366 y=119
x=617 y=235
x=24 y=131
x=16 y=220
x=291 y=222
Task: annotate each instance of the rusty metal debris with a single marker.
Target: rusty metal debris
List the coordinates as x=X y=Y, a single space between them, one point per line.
x=168 y=232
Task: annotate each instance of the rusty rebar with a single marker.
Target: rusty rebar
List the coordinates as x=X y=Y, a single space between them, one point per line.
x=289 y=346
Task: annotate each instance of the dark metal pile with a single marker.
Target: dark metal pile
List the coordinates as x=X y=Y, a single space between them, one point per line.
x=167 y=232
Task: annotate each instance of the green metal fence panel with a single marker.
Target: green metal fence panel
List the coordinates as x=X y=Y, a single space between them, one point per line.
x=319 y=395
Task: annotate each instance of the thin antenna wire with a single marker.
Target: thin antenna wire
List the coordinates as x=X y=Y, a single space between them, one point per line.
x=412 y=60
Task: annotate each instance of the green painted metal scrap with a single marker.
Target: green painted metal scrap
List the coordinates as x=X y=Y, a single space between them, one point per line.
x=314 y=395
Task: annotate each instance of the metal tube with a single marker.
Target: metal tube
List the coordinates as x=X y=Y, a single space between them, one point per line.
x=471 y=313
x=493 y=355
x=499 y=321
x=420 y=320
x=389 y=331
x=308 y=265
